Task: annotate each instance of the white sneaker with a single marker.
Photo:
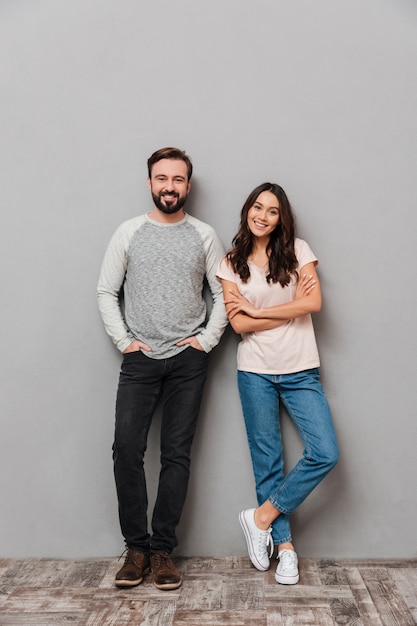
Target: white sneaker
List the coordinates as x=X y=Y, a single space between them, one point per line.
x=287 y=568
x=257 y=540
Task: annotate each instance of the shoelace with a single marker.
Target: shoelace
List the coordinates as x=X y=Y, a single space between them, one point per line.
x=162 y=558
x=126 y=550
x=287 y=559
x=129 y=558
x=265 y=541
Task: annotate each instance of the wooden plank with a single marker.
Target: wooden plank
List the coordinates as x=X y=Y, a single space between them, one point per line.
x=113 y=566
x=297 y=610
x=309 y=572
x=292 y=602
x=345 y=611
x=406 y=582
x=297 y=616
x=41 y=619
x=18 y=573
x=49 y=600
x=49 y=573
x=332 y=574
x=159 y=613
x=85 y=574
x=274 y=616
x=391 y=607
x=363 y=600
x=220 y=618
x=311 y=592
x=243 y=594
x=117 y=615
x=207 y=565
x=200 y=594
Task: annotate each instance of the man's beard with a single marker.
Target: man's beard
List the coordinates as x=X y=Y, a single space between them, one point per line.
x=171 y=208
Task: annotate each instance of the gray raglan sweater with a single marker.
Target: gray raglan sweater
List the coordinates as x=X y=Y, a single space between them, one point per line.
x=161 y=268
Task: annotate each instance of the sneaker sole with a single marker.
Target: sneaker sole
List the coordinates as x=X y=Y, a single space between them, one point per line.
x=248 y=538
x=287 y=580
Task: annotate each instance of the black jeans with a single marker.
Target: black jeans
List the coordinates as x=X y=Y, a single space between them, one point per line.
x=178 y=382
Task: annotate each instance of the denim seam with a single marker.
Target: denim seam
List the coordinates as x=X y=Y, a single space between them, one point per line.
x=300 y=465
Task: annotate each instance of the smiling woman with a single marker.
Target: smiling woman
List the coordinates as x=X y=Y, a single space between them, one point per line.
x=263 y=215
x=270 y=288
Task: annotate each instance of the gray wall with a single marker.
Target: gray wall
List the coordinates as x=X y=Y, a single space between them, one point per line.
x=318 y=96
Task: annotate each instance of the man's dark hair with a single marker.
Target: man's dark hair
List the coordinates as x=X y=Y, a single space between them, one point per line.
x=170 y=153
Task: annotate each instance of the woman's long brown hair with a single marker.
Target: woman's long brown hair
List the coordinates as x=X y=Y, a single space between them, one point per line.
x=280 y=249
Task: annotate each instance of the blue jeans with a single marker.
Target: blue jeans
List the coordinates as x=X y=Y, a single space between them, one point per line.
x=303 y=397
x=178 y=382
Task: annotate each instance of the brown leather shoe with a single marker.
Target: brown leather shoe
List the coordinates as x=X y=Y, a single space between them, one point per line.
x=135 y=567
x=165 y=574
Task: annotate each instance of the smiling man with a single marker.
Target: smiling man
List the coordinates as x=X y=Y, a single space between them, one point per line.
x=169 y=184
x=160 y=261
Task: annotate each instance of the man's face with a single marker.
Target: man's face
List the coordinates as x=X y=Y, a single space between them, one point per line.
x=169 y=185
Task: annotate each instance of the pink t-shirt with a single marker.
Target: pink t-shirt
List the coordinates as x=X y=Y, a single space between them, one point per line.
x=283 y=350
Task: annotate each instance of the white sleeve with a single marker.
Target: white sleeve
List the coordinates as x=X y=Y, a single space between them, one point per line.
x=217 y=322
x=112 y=275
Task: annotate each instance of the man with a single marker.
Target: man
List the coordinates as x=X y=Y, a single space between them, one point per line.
x=160 y=259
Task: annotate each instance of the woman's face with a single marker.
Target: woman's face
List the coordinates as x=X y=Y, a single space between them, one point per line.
x=263 y=215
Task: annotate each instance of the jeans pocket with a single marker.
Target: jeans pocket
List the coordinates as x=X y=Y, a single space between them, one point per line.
x=196 y=352
x=133 y=356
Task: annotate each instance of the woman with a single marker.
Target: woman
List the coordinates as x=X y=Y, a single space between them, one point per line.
x=270 y=288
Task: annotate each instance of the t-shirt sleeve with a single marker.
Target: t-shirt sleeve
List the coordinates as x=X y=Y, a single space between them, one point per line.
x=225 y=272
x=304 y=253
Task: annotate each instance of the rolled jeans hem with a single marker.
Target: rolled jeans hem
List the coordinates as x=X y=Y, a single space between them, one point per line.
x=278 y=542
x=277 y=506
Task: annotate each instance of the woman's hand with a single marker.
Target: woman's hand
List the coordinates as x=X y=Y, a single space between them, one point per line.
x=236 y=303
x=305 y=286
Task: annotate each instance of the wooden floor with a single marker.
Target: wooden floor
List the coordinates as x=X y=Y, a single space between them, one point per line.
x=222 y=591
